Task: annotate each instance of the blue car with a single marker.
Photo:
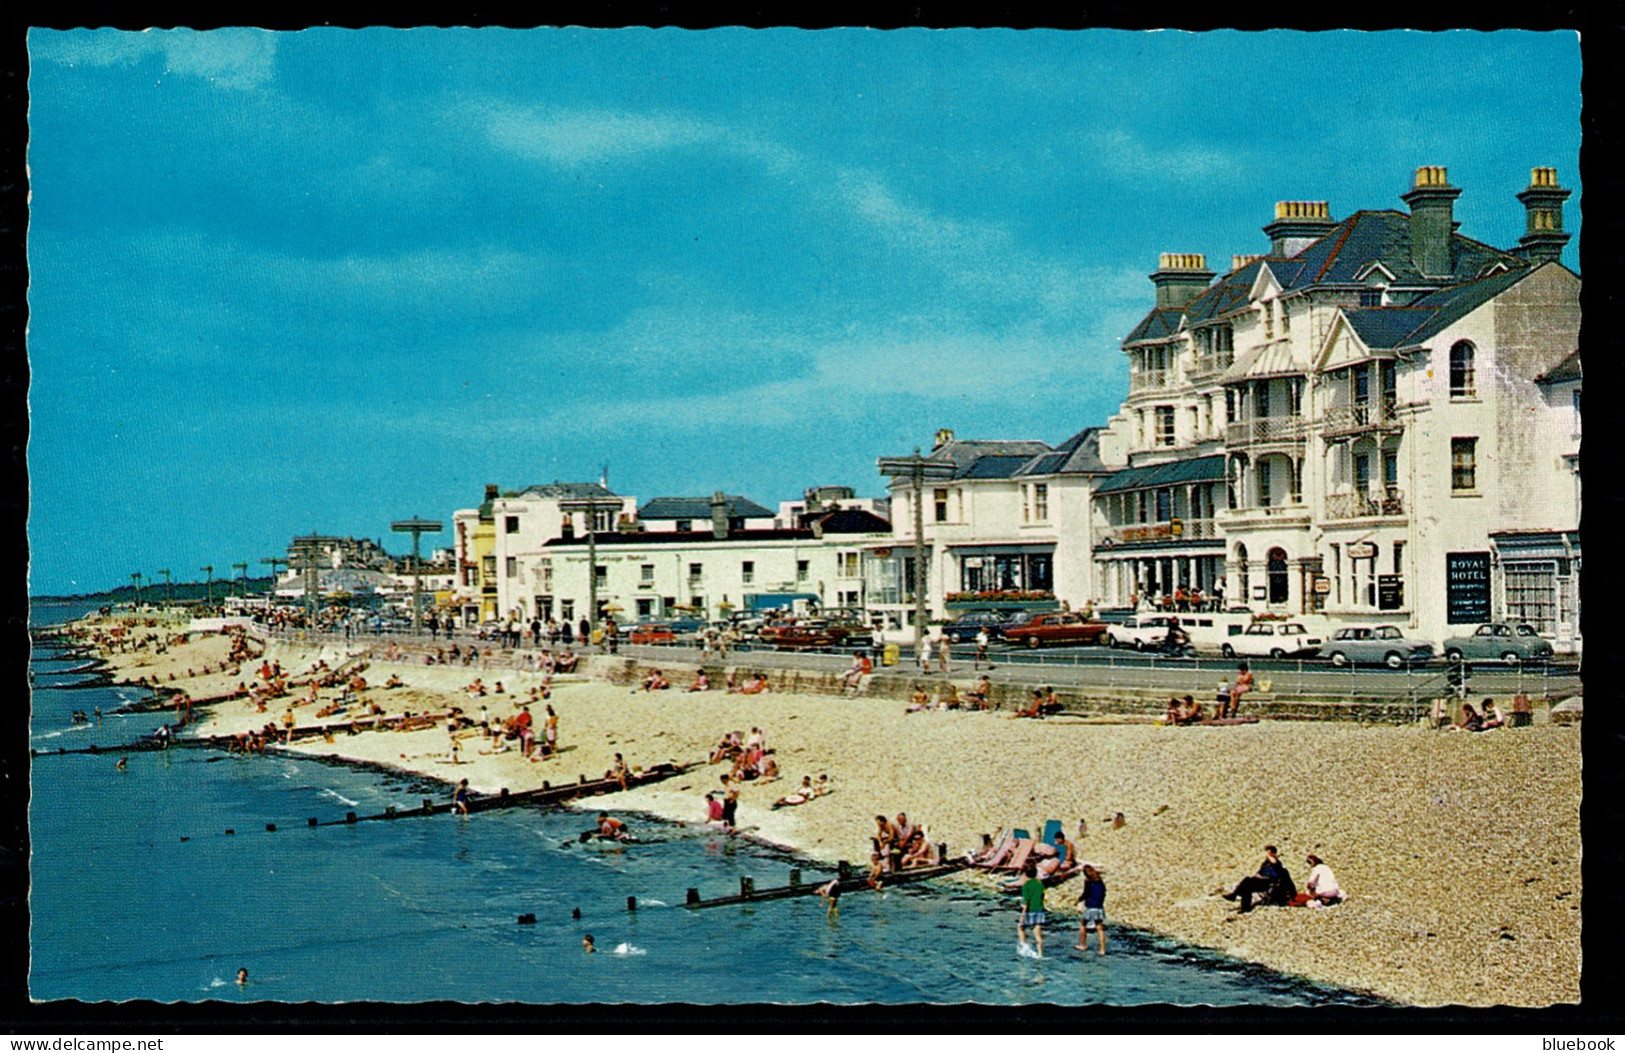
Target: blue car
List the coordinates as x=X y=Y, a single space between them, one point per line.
x=964 y=628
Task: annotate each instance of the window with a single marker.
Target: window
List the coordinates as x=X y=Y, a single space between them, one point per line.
x=1277 y=574
x=511 y=524
x=1531 y=591
x=1461 y=371
x=1268 y=311
x=1286 y=318
x=747 y=571
x=646 y=608
x=1337 y=572
x=1294 y=396
x=1399 y=557
x=801 y=570
x=646 y=572
x=488 y=568
x=1165 y=505
x=848 y=564
x=547 y=575
x=685 y=525
x=1576 y=413
x=1261 y=399
x=511 y=567
x=1165 y=425
x=695 y=571
x=1464 y=464
x=567 y=610
x=601 y=572
x=603 y=522
x=1362 y=472
x=1041 y=501
x=1230 y=405
x=1370 y=297
x=1262 y=472
x=1390 y=470
x=940 y=497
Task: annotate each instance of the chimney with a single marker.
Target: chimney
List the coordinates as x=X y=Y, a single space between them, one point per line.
x=944 y=437
x=491 y=491
x=1237 y=262
x=1180 y=277
x=1432 y=202
x=1297 y=225
x=1544 y=236
x=719 y=515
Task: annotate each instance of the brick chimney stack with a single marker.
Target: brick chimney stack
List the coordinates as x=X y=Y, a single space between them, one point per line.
x=1180 y=277
x=719 y=515
x=1297 y=225
x=1432 y=201
x=1544 y=236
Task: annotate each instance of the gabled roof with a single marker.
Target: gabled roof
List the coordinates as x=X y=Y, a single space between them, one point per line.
x=1568 y=369
x=993 y=466
x=1187 y=470
x=1078 y=455
x=1384 y=327
x=700 y=508
x=1272 y=360
x=678 y=537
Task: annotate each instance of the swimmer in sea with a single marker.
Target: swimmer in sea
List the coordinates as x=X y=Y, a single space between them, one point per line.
x=459 y=800
x=123 y=764
x=832 y=896
x=586 y=944
x=242 y=977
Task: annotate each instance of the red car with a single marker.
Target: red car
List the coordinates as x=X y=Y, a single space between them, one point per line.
x=797 y=636
x=651 y=634
x=1055 y=627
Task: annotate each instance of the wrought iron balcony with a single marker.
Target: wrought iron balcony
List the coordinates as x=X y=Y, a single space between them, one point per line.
x=1363 y=504
x=1355 y=417
x=1259 y=430
x=1150 y=379
x=1172 y=531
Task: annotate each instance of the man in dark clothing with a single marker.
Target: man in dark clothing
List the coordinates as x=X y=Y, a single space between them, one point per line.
x=1272 y=884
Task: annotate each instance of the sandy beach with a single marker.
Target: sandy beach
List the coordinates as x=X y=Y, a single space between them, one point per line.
x=1461 y=853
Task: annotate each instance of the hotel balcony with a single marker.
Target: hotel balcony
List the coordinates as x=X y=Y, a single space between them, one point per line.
x=1177 y=530
x=1150 y=380
x=1354 y=418
x=1388 y=502
x=1263 y=430
x=1292 y=514
x=1206 y=366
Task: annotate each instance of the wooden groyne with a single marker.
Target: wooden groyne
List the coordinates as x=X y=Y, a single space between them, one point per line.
x=845 y=881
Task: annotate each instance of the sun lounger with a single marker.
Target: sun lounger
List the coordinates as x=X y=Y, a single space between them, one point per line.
x=1020 y=834
x=1001 y=851
x=1051 y=828
x=1018 y=858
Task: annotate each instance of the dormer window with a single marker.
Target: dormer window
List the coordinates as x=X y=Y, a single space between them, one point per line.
x=1370 y=297
x=1268 y=310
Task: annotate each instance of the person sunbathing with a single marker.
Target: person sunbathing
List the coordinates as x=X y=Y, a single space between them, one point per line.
x=655 y=681
x=767 y=768
x=1050 y=705
x=1035 y=709
x=618 y=771
x=566 y=662
x=981 y=695
x=918 y=852
x=393 y=681
x=728 y=747
x=701 y=682
x=918 y=700
x=755 y=684
x=802 y=795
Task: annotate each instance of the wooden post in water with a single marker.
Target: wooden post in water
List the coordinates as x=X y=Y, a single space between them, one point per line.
x=632 y=903
x=795 y=877
x=270 y=828
x=349 y=817
x=312 y=821
x=747 y=886
x=693 y=896
x=843 y=870
x=428 y=805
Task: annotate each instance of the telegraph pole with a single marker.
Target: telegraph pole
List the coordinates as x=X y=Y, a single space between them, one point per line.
x=242 y=577
x=169 y=589
x=136 y=578
x=917 y=470
x=417 y=527
x=590 y=505
x=208 y=585
x=270 y=591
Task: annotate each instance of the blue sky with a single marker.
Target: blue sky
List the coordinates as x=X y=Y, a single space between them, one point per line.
x=284 y=282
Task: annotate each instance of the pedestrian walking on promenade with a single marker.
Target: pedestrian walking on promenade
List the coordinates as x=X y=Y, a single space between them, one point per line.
x=981 y=646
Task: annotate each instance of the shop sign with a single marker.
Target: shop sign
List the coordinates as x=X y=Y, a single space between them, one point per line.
x=1467 y=587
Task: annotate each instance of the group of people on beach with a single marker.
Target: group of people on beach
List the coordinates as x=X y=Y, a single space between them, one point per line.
x=1487 y=718
x=1091 y=901
x=1272 y=885
x=896 y=845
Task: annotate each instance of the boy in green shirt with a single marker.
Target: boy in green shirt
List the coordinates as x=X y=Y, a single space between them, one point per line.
x=1032 y=909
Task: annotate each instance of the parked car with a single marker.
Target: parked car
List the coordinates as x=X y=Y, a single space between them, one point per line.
x=802 y=634
x=1139 y=631
x=651 y=634
x=964 y=628
x=1273 y=640
x=686 y=626
x=1512 y=644
x=1368 y=645
x=1055 y=627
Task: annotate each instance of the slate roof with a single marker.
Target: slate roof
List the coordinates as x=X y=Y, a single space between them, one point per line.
x=680 y=537
x=1568 y=369
x=1078 y=455
x=1385 y=235
x=964 y=452
x=558 y=489
x=700 y=508
x=993 y=466
x=1160 y=324
x=1429 y=314
x=1187 y=470
x=851 y=521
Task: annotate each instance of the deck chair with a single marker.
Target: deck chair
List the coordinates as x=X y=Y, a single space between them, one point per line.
x=1051 y=828
x=1001 y=850
x=1019 y=834
x=1018 y=858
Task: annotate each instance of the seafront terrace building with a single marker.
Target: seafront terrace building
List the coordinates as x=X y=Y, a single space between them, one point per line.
x=998 y=516
x=1363 y=422
x=716 y=570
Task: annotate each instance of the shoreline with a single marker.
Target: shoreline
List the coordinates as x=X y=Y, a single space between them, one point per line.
x=1413 y=816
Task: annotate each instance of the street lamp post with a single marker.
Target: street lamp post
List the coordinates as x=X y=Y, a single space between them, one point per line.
x=270 y=590
x=242 y=577
x=917 y=470
x=590 y=505
x=208 y=586
x=169 y=589
x=136 y=579
x=417 y=527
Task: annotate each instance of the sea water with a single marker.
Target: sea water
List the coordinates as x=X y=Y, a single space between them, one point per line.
x=139 y=892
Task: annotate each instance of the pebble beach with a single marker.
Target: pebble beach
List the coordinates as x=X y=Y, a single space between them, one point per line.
x=1460 y=852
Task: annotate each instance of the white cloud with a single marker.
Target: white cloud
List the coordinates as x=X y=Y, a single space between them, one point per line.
x=233 y=58
x=585 y=136
x=1126 y=153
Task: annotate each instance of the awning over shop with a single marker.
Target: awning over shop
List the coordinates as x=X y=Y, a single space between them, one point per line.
x=1533 y=544
x=1189 y=470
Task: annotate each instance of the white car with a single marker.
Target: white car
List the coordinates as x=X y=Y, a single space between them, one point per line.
x=1141 y=631
x=1273 y=640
